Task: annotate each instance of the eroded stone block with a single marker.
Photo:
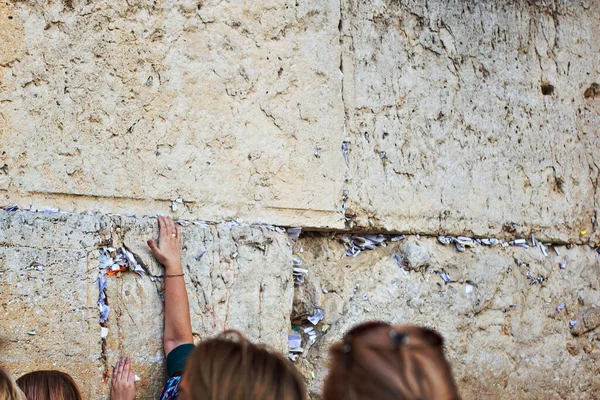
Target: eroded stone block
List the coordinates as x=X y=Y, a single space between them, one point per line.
x=507 y=330
x=48 y=313
x=49 y=268
x=222 y=104
x=451 y=128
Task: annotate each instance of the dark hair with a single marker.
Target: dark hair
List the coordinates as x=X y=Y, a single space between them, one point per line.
x=49 y=385
x=376 y=360
x=229 y=367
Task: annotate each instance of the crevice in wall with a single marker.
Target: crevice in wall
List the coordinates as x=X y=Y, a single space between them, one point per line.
x=103 y=301
x=341 y=43
x=104 y=360
x=345 y=147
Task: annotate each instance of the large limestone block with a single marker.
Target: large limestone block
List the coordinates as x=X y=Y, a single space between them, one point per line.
x=48 y=313
x=470 y=116
x=233 y=106
x=242 y=282
x=502 y=332
x=467 y=116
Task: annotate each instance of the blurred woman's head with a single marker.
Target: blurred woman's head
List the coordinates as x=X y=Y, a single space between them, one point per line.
x=230 y=367
x=376 y=360
x=49 y=385
x=8 y=387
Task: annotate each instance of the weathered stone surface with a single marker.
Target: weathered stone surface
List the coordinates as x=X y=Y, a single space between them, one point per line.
x=467 y=116
x=414 y=255
x=243 y=282
x=500 y=338
x=450 y=129
x=11 y=36
x=460 y=117
x=587 y=320
x=48 y=313
x=128 y=106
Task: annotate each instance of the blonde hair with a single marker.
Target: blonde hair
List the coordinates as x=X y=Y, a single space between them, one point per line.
x=229 y=367
x=8 y=387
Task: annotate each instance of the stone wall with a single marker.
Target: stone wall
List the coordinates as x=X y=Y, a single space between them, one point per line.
x=469 y=116
x=460 y=116
x=504 y=314
x=125 y=106
x=476 y=118
x=49 y=270
x=505 y=311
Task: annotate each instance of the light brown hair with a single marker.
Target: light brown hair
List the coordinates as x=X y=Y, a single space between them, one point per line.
x=49 y=385
x=376 y=360
x=8 y=387
x=232 y=368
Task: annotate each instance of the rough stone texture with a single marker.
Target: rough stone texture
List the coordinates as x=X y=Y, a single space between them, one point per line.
x=57 y=305
x=243 y=282
x=126 y=106
x=459 y=117
x=497 y=351
x=414 y=255
x=450 y=129
x=587 y=320
x=463 y=116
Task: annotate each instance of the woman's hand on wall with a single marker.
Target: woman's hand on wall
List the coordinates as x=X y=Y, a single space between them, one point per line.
x=168 y=250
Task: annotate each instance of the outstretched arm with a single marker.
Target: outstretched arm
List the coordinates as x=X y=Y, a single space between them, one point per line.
x=178 y=328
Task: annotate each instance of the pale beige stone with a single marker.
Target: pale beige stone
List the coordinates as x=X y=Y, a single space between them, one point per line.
x=48 y=313
x=11 y=36
x=243 y=282
x=498 y=338
x=333 y=307
x=414 y=255
x=465 y=117
x=241 y=109
x=450 y=131
x=587 y=320
x=126 y=107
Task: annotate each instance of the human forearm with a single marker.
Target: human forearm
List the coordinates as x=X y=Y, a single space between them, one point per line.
x=178 y=328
